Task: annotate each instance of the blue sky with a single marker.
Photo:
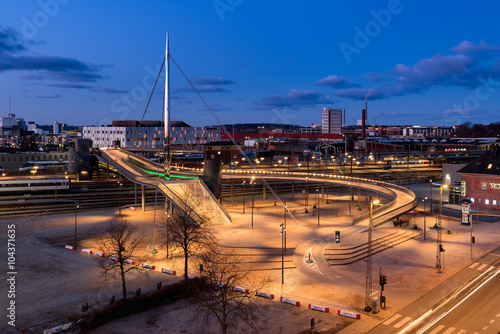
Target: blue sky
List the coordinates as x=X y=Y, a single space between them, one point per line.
x=419 y=62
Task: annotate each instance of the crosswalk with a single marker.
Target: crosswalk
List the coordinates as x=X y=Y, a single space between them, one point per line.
x=478 y=266
x=398 y=320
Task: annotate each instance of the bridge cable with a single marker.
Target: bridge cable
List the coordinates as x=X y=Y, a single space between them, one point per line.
x=260 y=174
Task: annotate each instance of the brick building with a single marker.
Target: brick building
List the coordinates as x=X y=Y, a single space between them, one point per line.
x=480 y=181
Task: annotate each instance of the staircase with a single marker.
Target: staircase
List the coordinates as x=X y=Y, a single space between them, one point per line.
x=347 y=255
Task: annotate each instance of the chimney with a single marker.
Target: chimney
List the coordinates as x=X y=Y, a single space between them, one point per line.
x=363 y=123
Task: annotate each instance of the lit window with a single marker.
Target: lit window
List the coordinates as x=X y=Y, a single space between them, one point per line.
x=489 y=166
x=472 y=199
x=484 y=186
x=487 y=201
x=494 y=202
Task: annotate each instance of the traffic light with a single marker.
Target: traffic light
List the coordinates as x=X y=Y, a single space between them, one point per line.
x=473 y=240
x=337 y=237
x=383 y=280
x=441 y=249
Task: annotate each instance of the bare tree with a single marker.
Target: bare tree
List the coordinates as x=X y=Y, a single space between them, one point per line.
x=120 y=246
x=188 y=231
x=232 y=309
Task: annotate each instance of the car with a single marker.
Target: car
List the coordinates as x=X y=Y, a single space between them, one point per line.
x=436 y=184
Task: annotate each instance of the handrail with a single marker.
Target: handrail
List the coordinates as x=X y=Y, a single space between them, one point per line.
x=163 y=188
x=219 y=206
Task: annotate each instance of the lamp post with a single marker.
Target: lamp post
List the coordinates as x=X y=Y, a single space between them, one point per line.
x=283 y=230
x=166 y=230
x=76 y=210
x=318 y=205
x=368 y=293
x=439 y=245
x=425 y=214
x=430 y=188
x=243 y=184
x=350 y=198
x=285 y=224
x=252 y=182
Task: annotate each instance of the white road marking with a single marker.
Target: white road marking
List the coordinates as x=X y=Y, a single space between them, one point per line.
x=437 y=329
x=463 y=331
x=492 y=321
x=498 y=315
x=391 y=320
x=449 y=330
x=472 y=266
x=402 y=322
x=485 y=328
x=482 y=267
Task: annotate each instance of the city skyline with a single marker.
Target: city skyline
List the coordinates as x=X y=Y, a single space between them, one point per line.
x=417 y=62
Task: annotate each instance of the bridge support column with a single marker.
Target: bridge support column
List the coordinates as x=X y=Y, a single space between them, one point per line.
x=232 y=192
x=263 y=191
x=322 y=191
x=143 y=197
x=293 y=189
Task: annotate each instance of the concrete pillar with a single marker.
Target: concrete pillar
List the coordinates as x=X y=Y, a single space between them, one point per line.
x=232 y=192
x=322 y=191
x=263 y=191
x=293 y=189
x=143 y=191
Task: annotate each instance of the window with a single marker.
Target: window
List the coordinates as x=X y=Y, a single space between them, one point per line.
x=212 y=156
x=487 y=201
x=489 y=166
x=479 y=201
x=494 y=202
x=484 y=186
x=234 y=156
x=472 y=199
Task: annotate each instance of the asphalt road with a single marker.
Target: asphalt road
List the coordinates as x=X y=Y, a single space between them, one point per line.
x=468 y=302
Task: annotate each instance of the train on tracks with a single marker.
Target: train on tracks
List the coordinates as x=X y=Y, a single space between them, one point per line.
x=34 y=185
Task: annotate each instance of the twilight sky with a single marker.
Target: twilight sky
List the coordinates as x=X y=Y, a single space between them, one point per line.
x=419 y=62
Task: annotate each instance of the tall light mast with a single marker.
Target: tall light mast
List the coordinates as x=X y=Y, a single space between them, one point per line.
x=166 y=139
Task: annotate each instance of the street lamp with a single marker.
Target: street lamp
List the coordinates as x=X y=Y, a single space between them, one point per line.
x=252 y=182
x=283 y=230
x=317 y=193
x=368 y=294
x=34 y=170
x=425 y=214
x=285 y=224
x=76 y=210
x=439 y=245
x=243 y=184
x=166 y=231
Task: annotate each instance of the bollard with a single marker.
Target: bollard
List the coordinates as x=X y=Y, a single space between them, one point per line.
x=138 y=292
x=382 y=302
x=111 y=300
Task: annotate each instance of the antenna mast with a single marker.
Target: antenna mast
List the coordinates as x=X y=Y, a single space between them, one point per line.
x=166 y=139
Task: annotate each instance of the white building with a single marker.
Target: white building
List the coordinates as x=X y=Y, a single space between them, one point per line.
x=148 y=135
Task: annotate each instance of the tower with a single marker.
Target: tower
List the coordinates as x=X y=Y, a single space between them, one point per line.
x=166 y=110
